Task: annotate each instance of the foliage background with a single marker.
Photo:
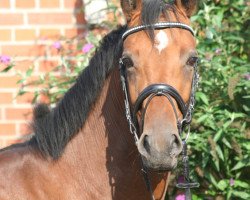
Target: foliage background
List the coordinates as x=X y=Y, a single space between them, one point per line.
x=219 y=146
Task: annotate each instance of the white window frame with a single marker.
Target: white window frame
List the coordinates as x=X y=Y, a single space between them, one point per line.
x=95 y=11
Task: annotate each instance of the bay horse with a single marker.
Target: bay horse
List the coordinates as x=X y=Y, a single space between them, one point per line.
x=82 y=148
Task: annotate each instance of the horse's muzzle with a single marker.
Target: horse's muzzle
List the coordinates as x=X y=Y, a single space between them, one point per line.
x=159 y=153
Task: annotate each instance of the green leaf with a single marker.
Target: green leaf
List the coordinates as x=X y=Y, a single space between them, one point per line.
x=202 y=118
x=229 y=194
x=195 y=197
x=234 y=38
x=218 y=135
x=212 y=179
x=202 y=96
x=223 y=184
x=217 y=164
x=246 y=108
x=21 y=81
x=21 y=92
x=8 y=68
x=237 y=115
x=219 y=152
x=242 y=184
x=225 y=141
x=226 y=124
x=242 y=195
x=29 y=72
x=194 y=18
x=246 y=145
x=241 y=164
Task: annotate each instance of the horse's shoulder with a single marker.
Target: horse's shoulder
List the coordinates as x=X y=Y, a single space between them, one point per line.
x=16 y=157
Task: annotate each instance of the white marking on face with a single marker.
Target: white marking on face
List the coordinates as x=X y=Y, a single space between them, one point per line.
x=161 y=40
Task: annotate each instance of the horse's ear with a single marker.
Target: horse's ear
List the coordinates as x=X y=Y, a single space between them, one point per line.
x=189 y=6
x=129 y=8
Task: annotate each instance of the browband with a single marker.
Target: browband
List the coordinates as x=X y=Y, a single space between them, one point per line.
x=160 y=25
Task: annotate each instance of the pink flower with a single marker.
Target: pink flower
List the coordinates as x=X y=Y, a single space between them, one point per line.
x=87 y=47
x=4 y=59
x=180 y=197
x=247 y=76
x=57 y=45
x=218 y=51
x=231 y=181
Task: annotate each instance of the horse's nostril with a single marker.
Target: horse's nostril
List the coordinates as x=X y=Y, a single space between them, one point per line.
x=146 y=144
x=176 y=145
x=175 y=141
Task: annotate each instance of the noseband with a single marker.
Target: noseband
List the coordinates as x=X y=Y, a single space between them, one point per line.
x=159 y=89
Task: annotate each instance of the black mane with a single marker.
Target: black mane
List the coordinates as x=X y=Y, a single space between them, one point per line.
x=53 y=129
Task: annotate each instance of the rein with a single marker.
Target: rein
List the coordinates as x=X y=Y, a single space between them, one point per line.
x=161 y=90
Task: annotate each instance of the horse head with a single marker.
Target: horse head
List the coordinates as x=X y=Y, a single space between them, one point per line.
x=158 y=64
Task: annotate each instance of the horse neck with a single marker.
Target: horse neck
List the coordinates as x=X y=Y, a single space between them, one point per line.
x=105 y=130
x=107 y=150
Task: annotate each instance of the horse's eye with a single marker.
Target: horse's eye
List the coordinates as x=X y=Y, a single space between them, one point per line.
x=192 y=61
x=127 y=61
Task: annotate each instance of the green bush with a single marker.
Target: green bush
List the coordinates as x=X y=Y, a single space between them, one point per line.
x=220 y=145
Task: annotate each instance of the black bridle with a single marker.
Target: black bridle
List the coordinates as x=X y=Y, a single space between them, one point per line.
x=161 y=90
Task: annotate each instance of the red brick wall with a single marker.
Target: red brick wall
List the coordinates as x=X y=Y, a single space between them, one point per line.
x=28 y=29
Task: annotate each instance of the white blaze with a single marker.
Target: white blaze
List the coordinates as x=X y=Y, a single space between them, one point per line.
x=161 y=40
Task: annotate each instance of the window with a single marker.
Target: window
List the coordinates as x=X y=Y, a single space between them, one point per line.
x=95 y=11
